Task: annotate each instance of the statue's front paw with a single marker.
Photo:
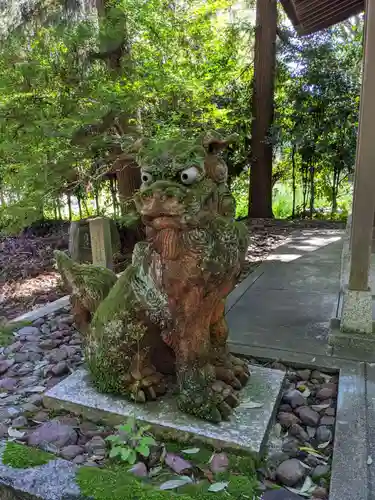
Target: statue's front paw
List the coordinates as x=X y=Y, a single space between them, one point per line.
x=233 y=371
x=214 y=404
x=147 y=385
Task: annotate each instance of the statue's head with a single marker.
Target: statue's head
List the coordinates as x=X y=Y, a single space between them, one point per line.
x=180 y=181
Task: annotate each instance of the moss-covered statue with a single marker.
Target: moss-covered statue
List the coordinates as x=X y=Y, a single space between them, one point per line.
x=165 y=314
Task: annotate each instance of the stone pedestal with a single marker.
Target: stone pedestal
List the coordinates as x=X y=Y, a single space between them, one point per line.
x=357 y=312
x=356 y=323
x=101 y=244
x=247 y=429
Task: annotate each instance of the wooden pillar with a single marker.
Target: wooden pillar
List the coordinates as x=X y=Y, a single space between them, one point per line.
x=364 y=181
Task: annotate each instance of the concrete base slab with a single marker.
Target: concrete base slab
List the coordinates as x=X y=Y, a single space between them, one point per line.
x=247 y=430
x=349 y=477
x=352 y=342
x=357 y=312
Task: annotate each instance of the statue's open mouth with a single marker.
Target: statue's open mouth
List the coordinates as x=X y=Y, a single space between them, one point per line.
x=162 y=221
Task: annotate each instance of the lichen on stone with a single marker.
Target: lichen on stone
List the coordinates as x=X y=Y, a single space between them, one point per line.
x=163 y=315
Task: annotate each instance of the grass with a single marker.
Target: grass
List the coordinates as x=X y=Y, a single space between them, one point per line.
x=22 y=457
x=7 y=329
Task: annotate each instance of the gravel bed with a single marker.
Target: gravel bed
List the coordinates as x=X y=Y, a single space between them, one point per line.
x=300 y=446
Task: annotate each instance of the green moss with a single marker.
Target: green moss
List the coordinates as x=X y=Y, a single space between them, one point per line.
x=239 y=488
x=22 y=457
x=115 y=482
x=7 y=329
x=201 y=458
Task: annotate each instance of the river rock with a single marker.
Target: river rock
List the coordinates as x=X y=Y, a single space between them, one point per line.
x=41 y=416
x=38 y=322
x=321 y=493
x=327 y=391
x=139 y=470
x=287 y=419
x=286 y=408
x=60 y=369
x=323 y=434
x=19 y=422
x=303 y=374
x=53 y=433
x=95 y=445
x=3 y=431
x=71 y=451
x=320 y=471
x=329 y=421
x=290 y=472
x=308 y=416
x=5 y=365
x=291 y=446
x=298 y=431
x=7 y=383
x=28 y=330
x=294 y=398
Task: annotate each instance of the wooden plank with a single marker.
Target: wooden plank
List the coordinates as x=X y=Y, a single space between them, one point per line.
x=364 y=186
x=310 y=16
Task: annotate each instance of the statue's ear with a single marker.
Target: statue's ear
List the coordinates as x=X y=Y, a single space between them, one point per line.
x=214 y=145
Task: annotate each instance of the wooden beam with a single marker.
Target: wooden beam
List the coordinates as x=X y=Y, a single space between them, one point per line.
x=364 y=182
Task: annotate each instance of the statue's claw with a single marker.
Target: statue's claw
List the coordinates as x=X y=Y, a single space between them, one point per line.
x=147 y=384
x=214 y=401
x=233 y=371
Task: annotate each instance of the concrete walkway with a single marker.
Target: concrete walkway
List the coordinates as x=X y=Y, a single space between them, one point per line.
x=283 y=310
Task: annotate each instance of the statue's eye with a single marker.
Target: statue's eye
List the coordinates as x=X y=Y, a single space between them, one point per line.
x=146 y=177
x=189 y=175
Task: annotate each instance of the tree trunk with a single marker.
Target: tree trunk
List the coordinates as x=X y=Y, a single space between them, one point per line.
x=112 y=188
x=69 y=206
x=79 y=207
x=97 y=205
x=312 y=190
x=59 y=209
x=294 y=181
x=128 y=181
x=260 y=200
x=335 y=185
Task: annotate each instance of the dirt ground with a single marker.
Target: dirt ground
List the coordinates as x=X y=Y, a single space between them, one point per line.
x=28 y=278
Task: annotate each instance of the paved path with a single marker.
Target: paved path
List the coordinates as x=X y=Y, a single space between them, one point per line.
x=286 y=305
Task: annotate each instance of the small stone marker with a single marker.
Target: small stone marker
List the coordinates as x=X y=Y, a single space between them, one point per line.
x=80 y=240
x=101 y=244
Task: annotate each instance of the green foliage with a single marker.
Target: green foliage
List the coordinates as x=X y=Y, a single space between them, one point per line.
x=75 y=96
x=22 y=457
x=131 y=441
x=67 y=110
x=317 y=104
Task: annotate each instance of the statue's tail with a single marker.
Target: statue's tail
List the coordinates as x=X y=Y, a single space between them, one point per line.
x=88 y=285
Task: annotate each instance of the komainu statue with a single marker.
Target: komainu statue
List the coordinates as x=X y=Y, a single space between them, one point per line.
x=164 y=315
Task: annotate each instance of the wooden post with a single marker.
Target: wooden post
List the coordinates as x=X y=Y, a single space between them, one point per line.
x=261 y=156
x=364 y=181
x=101 y=245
